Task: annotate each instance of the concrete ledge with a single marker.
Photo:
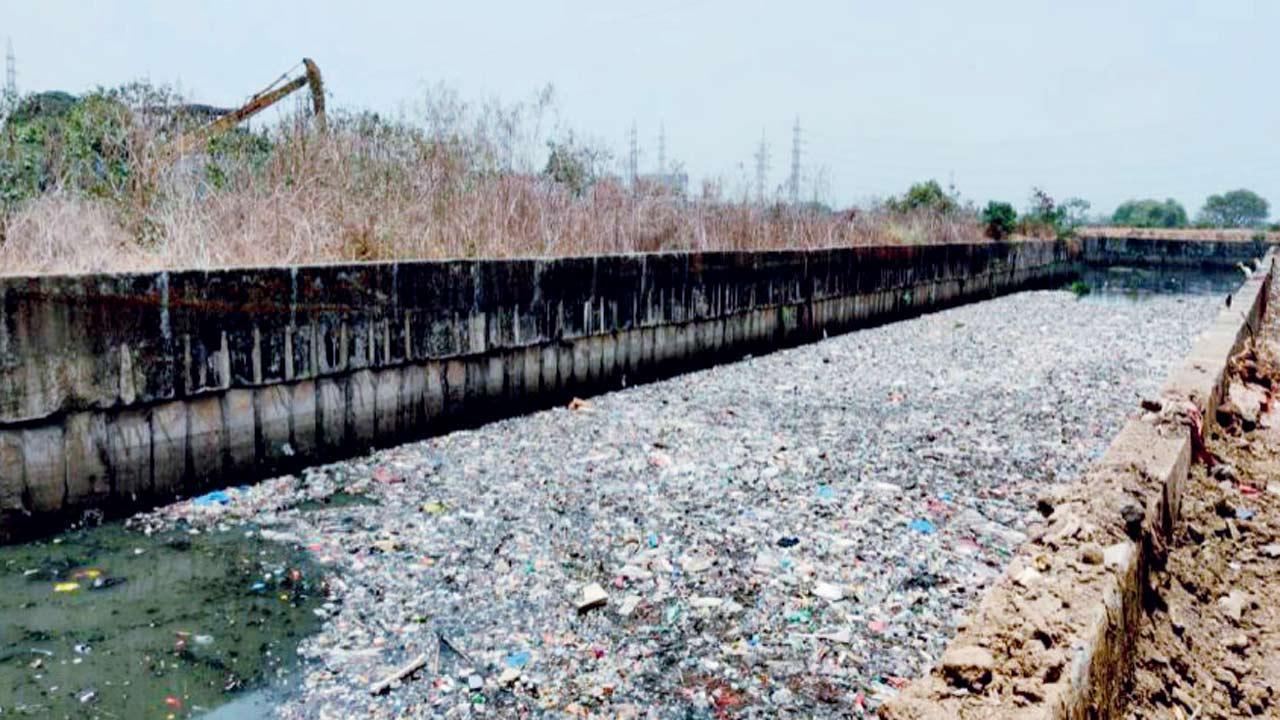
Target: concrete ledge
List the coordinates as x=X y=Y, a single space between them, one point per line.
x=1054 y=638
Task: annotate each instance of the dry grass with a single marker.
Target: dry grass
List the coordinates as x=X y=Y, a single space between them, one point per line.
x=457 y=184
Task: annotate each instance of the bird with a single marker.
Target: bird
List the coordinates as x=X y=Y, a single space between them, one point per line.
x=1228 y=301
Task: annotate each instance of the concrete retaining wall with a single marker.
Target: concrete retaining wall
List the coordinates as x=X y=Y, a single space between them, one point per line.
x=1155 y=251
x=119 y=391
x=1055 y=638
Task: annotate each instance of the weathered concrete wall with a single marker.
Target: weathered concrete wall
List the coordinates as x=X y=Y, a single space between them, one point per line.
x=122 y=390
x=1156 y=251
x=1055 y=637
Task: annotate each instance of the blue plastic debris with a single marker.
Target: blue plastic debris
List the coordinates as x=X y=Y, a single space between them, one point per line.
x=1245 y=513
x=653 y=540
x=826 y=492
x=518 y=659
x=258 y=587
x=217 y=497
x=923 y=526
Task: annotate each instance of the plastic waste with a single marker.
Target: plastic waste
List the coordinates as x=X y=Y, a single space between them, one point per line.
x=923 y=526
x=217 y=497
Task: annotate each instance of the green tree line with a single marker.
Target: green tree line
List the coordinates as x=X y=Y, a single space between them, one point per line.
x=1234 y=209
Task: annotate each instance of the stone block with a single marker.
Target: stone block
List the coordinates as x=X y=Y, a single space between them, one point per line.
x=44 y=467
x=361 y=409
x=167 y=435
x=85 y=444
x=239 y=430
x=455 y=382
x=206 y=444
x=387 y=421
x=413 y=400
x=434 y=406
x=531 y=361
x=274 y=407
x=550 y=381
x=331 y=404
x=305 y=418
x=12 y=480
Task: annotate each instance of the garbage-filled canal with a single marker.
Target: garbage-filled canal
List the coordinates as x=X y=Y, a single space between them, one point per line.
x=789 y=536
x=111 y=623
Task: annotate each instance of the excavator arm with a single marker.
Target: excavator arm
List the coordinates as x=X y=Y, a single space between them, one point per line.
x=259 y=102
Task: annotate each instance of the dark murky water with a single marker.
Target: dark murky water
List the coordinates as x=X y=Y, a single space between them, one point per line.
x=1137 y=282
x=109 y=623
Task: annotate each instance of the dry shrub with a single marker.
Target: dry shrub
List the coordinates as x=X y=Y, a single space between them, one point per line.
x=456 y=185
x=59 y=232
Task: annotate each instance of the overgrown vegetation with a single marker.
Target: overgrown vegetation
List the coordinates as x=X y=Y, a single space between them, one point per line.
x=86 y=184
x=999 y=220
x=926 y=196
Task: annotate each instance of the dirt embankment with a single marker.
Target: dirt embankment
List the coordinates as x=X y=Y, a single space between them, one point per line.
x=1210 y=646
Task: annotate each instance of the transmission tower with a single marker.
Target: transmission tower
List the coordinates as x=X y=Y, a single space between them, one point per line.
x=794 y=182
x=10 y=71
x=662 y=150
x=762 y=167
x=633 y=157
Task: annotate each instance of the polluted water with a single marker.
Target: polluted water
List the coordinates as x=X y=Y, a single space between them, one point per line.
x=106 y=622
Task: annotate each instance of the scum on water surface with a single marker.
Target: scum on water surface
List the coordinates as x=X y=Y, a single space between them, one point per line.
x=109 y=623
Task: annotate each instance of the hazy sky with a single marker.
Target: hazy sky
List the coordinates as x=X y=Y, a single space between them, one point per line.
x=1105 y=100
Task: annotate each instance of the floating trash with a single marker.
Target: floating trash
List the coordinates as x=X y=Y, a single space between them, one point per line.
x=182 y=621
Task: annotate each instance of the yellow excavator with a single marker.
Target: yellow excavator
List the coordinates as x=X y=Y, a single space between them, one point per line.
x=272 y=94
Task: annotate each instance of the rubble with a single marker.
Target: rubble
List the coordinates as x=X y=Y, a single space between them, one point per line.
x=968 y=667
x=592 y=596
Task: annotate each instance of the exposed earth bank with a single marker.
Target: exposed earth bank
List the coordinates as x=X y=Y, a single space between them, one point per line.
x=1211 y=646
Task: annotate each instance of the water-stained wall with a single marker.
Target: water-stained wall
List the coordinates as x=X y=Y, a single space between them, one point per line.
x=123 y=390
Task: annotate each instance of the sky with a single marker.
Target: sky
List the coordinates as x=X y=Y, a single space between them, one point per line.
x=1102 y=100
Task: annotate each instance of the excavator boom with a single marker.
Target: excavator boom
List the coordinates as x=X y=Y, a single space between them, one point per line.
x=258 y=103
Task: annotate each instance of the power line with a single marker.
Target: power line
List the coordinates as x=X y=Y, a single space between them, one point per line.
x=662 y=150
x=10 y=71
x=795 y=163
x=633 y=158
x=762 y=167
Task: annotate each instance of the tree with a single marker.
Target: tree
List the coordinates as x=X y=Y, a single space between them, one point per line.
x=1000 y=219
x=1075 y=212
x=1238 y=208
x=1044 y=210
x=573 y=165
x=927 y=195
x=1150 y=214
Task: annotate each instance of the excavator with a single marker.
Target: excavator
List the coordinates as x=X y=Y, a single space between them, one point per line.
x=272 y=94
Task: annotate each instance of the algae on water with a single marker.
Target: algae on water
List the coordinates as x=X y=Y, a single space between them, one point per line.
x=110 y=623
